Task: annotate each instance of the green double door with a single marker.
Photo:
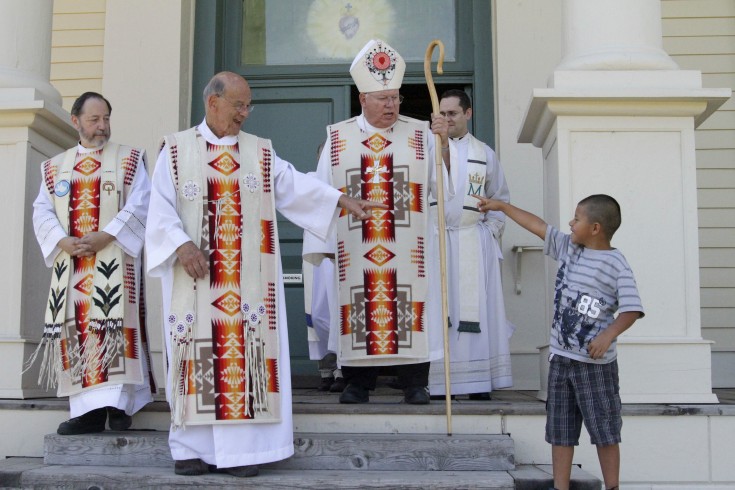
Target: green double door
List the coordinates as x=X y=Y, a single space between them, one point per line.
x=295 y=120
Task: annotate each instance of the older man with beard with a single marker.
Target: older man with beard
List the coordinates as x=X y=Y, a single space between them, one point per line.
x=89 y=219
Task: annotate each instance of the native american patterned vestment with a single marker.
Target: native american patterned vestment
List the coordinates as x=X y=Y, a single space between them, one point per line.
x=224 y=329
x=95 y=343
x=382 y=307
x=196 y=188
x=479 y=331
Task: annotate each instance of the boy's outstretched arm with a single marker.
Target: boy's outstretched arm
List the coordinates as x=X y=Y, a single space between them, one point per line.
x=529 y=221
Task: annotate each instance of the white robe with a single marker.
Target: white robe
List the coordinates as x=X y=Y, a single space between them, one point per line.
x=307 y=203
x=129 y=237
x=471 y=353
x=315 y=249
x=320 y=333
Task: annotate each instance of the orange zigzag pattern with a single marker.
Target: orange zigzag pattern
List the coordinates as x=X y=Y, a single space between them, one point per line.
x=267 y=244
x=272 y=366
x=381 y=225
x=344 y=319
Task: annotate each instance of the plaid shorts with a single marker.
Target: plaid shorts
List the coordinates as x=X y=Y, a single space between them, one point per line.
x=582 y=391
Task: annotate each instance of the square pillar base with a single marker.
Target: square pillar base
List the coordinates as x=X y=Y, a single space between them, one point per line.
x=656 y=370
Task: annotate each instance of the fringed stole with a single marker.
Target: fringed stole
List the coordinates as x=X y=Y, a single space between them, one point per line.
x=227 y=321
x=101 y=339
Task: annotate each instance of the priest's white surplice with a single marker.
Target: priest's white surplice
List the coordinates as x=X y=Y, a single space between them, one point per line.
x=307 y=203
x=128 y=230
x=480 y=361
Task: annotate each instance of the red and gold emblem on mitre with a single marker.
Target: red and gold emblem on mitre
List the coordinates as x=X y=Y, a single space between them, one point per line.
x=377 y=67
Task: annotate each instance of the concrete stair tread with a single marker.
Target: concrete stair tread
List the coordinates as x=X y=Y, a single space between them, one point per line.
x=37 y=475
x=141 y=459
x=383 y=452
x=33 y=473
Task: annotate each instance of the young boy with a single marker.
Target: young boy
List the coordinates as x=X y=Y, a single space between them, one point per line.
x=594 y=281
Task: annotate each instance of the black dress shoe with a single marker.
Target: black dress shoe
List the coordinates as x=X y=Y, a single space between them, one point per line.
x=238 y=471
x=338 y=386
x=354 y=394
x=325 y=384
x=416 y=395
x=441 y=397
x=480 y=396
x=118 y=419
x=89 y=423
x=394 y=383
x=190 y=467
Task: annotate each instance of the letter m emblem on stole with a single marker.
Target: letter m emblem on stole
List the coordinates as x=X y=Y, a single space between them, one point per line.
x=475 y=183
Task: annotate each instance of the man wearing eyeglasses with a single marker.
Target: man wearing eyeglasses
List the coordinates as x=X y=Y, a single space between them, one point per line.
x=386 y=307
x=213 y=241
x=479 y=330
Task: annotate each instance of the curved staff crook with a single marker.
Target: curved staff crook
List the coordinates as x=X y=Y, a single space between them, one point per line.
x=440 y=215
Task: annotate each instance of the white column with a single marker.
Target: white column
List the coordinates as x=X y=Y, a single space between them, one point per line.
x=620 y=120
x=613 y=35
x=25 y=35
x=33 y=127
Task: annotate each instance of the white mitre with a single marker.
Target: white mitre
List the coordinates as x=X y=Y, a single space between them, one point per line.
x=377 y=67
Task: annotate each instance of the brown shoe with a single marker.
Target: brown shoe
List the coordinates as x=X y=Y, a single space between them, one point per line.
x=190 y=467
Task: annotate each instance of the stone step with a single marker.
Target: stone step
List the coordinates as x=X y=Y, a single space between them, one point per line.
x=33 y=473
x=401 y=452
x=377 y=452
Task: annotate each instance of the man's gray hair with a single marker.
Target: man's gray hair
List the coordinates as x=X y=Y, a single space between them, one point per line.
x=216 y=86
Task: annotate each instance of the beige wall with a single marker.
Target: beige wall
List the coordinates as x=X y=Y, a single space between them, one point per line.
x=700 y=35
x=540 y=40
x=77 y=47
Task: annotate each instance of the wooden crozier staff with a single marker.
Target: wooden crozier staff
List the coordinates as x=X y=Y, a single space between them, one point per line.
x=441 y=224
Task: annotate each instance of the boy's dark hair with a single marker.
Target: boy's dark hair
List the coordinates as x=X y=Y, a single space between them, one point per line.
x=464 y=100
x=603 y=209
x=76 y=109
